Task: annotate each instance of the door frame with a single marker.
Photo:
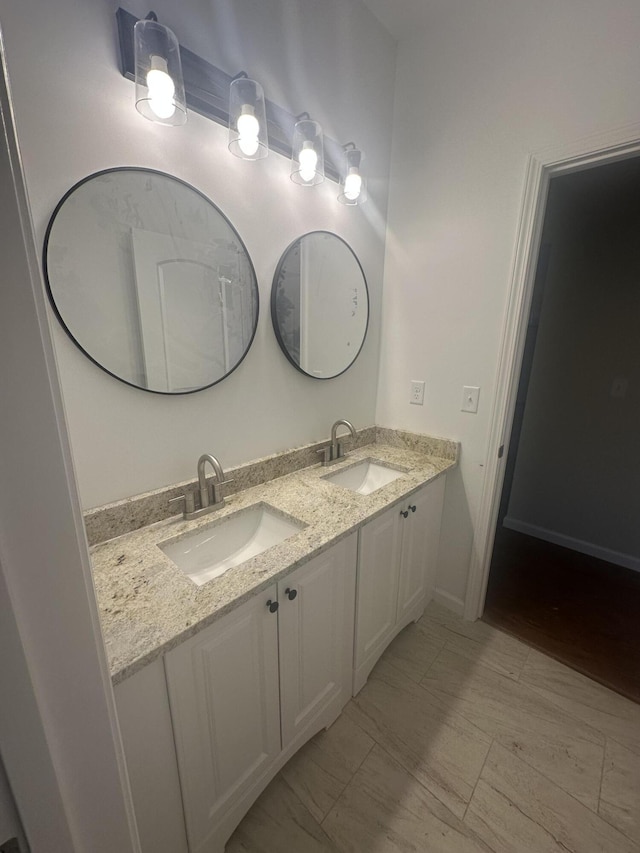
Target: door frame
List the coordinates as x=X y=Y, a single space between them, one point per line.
x=59 y=735
x=615 y=144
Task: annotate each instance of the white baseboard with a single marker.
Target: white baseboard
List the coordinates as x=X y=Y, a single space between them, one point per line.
x=616 y=557
x=451 y=602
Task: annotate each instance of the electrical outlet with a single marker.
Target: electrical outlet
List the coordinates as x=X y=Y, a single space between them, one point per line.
x=470 y=397
x=417 y=392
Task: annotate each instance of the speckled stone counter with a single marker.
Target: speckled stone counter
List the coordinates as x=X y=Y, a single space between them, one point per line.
x=148 y=606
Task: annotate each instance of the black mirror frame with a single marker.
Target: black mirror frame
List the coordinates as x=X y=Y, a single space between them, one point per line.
x=56 y=311
x=274 y=320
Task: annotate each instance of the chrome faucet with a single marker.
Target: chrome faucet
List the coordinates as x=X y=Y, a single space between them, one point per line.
x=206 y=498
x=336 y=446
x=335 y=451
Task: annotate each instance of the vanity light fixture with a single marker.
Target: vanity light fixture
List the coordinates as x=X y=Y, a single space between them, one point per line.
x=158 y=72
x=151 y=56
x=247 y=119
x=307 y=152
x=353 y=189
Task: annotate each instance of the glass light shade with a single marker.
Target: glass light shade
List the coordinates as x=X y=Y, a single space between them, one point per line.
x=353 y=188
x=247 y=120
x=307 y=154
x=159 y=83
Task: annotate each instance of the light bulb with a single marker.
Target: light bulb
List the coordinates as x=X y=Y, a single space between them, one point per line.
x=308 y=159
x=248 y=130
x=161 y=88
x=352 y=186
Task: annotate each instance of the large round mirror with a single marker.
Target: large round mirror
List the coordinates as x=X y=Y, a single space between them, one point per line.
x=320 y=305
x=151 y=280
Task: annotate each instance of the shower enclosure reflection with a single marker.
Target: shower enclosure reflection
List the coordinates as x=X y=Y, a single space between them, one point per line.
x=320 y=305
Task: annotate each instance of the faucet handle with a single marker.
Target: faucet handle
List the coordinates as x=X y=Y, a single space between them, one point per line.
x=216 y=497
x=325 y=454
x=189 y=499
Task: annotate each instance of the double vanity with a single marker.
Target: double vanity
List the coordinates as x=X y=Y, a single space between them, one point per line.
x=237 y=631
x=235 y=636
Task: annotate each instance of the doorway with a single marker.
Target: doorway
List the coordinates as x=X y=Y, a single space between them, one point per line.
x=11 y=834
x=565 y=568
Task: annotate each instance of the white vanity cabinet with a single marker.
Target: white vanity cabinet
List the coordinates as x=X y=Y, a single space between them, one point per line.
x=246 y=692
x=206 y=728
x=397 y=561
x=147 y=737
x=224 y=698
x=316 y=624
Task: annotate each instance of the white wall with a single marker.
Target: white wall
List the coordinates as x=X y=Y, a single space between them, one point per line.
x=477 y=91
x=74 y=114
x=58 y=727
x=577 y=473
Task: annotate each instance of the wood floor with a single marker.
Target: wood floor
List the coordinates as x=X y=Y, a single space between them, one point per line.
x=464 y=740
x=580 y=610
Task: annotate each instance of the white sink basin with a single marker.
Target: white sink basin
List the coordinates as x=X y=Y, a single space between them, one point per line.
x=208 y=552
x=365 y=477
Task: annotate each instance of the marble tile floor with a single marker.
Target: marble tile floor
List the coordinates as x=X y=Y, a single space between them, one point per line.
x=463 y=740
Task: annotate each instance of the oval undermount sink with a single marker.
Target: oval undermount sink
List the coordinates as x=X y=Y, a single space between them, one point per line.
x=365 y=477
x=208 y=552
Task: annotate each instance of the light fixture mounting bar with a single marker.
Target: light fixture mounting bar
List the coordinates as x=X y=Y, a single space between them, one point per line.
x=207 y=93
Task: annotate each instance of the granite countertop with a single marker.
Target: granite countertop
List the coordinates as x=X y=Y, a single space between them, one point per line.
x=148 y=606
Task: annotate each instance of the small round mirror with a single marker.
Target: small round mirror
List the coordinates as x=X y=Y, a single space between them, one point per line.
x=151 y=280
x=320 y=305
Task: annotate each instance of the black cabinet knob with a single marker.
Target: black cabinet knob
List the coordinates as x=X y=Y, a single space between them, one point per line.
x=290 y=593
x=413 y=508
x=272 y=605
x=404 y=513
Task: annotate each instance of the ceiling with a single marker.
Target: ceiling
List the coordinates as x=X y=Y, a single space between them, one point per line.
x=402 y=17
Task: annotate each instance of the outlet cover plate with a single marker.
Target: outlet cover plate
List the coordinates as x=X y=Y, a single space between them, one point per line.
x=417 y=392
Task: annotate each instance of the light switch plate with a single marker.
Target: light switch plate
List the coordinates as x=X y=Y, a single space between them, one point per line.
x=619 y=387
x=470 y=397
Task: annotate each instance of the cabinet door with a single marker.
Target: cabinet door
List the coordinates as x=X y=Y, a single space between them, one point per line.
x=147 y=736
x=420 y=538
x=316 y=621
x=378 y=565
x=223 y=692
